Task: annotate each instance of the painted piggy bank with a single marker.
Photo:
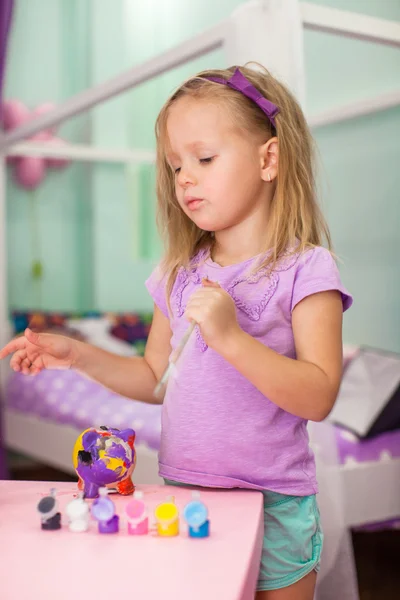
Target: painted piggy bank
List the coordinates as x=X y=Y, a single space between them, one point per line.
x=105 y=457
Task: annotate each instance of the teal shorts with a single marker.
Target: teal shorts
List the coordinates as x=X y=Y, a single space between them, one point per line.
x=292 y=539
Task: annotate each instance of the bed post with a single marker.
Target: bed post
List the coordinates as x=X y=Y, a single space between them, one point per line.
x=275 y=40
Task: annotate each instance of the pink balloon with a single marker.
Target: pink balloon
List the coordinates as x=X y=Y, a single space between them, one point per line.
x=29 y=172
x=14 y=113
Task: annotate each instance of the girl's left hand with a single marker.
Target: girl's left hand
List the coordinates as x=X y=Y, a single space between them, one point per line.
x=214 y=311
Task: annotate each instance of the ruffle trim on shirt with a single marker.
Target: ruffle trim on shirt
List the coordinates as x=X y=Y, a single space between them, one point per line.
x=190 y=274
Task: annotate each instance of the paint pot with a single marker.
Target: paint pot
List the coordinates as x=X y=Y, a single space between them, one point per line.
x=136 y=515
x=103 y=510
x=167 y=518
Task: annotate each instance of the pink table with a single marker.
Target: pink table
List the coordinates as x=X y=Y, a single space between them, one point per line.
x=61 y=565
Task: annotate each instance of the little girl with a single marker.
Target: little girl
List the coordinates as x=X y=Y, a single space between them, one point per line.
x=244 y=261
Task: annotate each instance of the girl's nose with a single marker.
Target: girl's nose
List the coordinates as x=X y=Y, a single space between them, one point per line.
x=186 y=178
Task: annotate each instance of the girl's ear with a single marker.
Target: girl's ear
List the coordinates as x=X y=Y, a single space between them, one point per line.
x=269 y=155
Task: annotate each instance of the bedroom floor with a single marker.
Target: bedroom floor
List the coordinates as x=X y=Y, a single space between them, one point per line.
x=377 y=553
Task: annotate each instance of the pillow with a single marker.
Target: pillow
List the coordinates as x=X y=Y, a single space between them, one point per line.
x=133 y=328
x=94 y=327
x=43 y=321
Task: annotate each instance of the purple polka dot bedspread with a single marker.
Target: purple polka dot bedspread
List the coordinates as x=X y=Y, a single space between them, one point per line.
x=66 y=397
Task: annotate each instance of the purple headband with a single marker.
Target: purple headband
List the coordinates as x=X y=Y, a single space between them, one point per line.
x=239 y=83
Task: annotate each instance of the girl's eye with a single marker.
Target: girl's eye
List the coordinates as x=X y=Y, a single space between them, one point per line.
x=203 y=161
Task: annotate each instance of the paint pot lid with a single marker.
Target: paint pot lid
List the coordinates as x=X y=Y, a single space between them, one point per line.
x=77 y=508
x=47 y=506
x=103 y=509
x=195 y=513
x=167 y=512
x=135 y=509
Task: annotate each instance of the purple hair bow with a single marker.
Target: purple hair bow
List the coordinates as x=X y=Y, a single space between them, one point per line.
x=239 y=83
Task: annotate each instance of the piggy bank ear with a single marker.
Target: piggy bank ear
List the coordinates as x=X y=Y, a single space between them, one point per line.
x=128 y=435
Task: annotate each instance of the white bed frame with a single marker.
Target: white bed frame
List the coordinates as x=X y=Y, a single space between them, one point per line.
x=270 y=27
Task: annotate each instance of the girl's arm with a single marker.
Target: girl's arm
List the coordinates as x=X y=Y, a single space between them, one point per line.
x=134 y=377
x=306 y=386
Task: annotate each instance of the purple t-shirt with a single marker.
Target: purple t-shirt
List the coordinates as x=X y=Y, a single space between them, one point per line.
x=218 y=429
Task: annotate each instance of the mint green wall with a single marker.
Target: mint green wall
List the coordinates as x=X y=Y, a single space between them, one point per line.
x=48 y=61
x=96 y=211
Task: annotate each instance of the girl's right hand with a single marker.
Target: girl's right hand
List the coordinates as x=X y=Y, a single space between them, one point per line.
x=34 y=352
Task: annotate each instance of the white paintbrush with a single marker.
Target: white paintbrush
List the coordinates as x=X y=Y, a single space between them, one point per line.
x=158 y=392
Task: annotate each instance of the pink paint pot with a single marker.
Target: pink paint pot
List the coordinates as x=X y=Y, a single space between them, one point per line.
x=137 y=516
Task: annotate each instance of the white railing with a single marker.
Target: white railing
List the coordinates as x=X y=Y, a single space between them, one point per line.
x=82 y=153
x=350 y=24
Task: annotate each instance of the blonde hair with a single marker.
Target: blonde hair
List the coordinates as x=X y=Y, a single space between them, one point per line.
x=296 y=221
